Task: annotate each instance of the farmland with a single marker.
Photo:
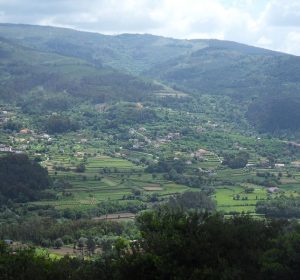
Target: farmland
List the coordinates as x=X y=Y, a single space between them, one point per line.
x=116 y=145
x=89 y=168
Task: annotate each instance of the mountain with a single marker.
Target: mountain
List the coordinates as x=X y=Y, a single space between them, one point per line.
x=24 y=71
x=231 y=68
x=104 y=68
x=130 y=52
x=196 y=66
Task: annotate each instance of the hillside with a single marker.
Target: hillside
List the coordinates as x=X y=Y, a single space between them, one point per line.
x=200 y=66
x=99 y=67
x=231 y=68
x=130 y=52
x=24 y=71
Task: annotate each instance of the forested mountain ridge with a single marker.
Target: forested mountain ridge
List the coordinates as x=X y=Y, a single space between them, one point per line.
x=130 y=52
x=200 y=66
x=103 y=68
x=235 y=70
x=23 y=71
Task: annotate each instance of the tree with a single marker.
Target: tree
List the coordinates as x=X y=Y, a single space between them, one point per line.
x=80 y=168
x=22 y=179
x=12 y=125
x=199 y=201
x=59 y=124
x=239 y=160
x=91 y=245
x=180 y=245
x=58 y=243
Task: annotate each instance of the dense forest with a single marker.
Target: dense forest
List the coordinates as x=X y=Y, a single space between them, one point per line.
x=276 y=113
x=21 y=179
x=177 y=245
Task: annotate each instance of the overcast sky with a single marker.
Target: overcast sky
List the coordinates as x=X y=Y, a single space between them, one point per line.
x=273 y=24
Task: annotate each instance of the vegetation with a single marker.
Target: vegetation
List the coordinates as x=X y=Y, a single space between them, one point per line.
x=276 y=113
x=59 y=124
x=236 y=161
x=282 y=207
x=148 y=178
x=21 y=179
x=176 y=245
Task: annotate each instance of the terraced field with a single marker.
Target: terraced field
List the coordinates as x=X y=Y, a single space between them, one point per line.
x=104 y=178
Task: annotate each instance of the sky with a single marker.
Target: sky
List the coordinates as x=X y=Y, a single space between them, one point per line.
x=272 y=24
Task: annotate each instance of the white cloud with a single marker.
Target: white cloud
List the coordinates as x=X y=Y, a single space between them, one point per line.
x=264 y=42
x=283 y=13
x=292 y=43
x=273 y=24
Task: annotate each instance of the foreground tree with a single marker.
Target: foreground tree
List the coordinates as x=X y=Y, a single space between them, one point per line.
x=198 y=246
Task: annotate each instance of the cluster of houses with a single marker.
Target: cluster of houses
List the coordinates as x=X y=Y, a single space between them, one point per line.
x=142 y=140
x=21 y=141
x=4 y=116
x=9 y=149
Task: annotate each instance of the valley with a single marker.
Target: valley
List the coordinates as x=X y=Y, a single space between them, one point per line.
x=91 y=169
x=118 y=126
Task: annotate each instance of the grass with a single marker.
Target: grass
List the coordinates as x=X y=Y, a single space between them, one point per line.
x=226 y=198
x=118 y=178
x=114 y=178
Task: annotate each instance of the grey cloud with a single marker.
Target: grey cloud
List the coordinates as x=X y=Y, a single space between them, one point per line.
x=283 y=13
x=102 y=16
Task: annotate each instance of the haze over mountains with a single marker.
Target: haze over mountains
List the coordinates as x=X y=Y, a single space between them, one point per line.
x=127 y=67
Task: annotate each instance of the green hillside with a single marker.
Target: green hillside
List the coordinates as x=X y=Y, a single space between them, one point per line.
x=233 y=69
x=200 y=66
x=100 y=67
x=131 y=52
x=24 y=70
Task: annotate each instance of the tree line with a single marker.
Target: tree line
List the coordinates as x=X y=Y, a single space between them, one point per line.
x=177 y=245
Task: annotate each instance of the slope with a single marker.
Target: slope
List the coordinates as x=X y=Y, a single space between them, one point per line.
x=130 y=52
x=23 y=70
x=233 y=69
x=200 y=66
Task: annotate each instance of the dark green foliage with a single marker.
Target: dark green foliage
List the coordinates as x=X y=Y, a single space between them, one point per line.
x=108 y=207
x=26 y=265
x=80 y=168
x=21 y=179
x=58 y=243
x=167 y=165
x=91 y=245
x=12 y=125
x=37 y=230
x=198 y=201
x=276 y=113
x=24 y=70
x=236 y=161
x=41 y=102
x=283 y=207
x=196 y=246
x=176 y=245
x=129 y=114
x=282 y=260
x=59 y=124
x=232 y=69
